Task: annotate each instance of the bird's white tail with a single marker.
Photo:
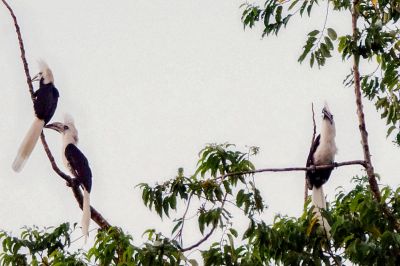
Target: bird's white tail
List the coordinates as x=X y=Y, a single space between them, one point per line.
x=319 y=202
x=86 y=214
x=27 y=145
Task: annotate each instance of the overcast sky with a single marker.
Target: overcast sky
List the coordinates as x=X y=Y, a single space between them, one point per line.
x=149 y=83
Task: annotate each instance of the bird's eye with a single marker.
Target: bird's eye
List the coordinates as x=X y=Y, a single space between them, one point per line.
x=66 y=127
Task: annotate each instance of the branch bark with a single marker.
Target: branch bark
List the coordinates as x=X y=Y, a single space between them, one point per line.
x=95 y=215
x=360 y=112
x=361 y=121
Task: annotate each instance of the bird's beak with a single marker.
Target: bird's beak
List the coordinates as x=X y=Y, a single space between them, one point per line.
x=37 y=77
x=326 y=114
x=57 y=126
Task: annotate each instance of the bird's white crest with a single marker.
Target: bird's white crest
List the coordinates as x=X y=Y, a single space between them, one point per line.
x=68 y=119
x=326 y=106
x=71 y=135
x=47 y=74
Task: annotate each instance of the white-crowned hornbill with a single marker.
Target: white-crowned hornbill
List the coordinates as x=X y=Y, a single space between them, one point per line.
x=322 y=152
x=76 y=163
x=45 y=104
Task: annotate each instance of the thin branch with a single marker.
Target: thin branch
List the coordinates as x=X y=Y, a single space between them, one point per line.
x=312 y=142
x=95 y=215
x=21 y=47
x=361 y=120
x=198 y=243
x=53 y=162
x=324 y=27
x=179 y=234
x=291 y=169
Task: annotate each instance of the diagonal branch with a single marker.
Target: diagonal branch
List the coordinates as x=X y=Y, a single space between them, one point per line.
x=95 y=215
x=21 y=47
x=361 y=121
x=198 y=243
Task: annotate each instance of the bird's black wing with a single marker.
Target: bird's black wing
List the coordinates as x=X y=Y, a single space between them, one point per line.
x=79 y=165
x=45 y=102
x=310 y=161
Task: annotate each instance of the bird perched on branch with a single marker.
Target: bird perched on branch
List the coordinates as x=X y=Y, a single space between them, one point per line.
x=45 y=104
x=77 y=164
x=322 y=152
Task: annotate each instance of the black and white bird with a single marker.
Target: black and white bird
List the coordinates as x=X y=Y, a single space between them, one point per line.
x=45 y=104
x=77 y=164
x=322 y=152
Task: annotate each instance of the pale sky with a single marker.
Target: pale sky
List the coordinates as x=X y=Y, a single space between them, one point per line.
x=149 y=83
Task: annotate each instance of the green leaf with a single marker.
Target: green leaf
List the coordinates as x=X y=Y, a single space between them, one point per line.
x=389 y=131
x=324 y=50
x=332 y=34
x=313 y=33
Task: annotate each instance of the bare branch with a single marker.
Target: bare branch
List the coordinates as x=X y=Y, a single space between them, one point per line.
x=95 y=215
x=291 y=169
x=312 y=142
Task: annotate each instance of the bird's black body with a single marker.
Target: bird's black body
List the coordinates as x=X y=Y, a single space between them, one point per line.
x=45 y=101
x=318 y=177
x=79 y=166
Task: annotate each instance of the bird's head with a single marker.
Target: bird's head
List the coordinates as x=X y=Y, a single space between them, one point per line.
x=67 y=129
x=326 y=113
x=45 y=74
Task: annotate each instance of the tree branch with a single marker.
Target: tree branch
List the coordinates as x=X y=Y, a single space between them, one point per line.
x=291 y=169
x=21 y=47
x=360 y=113
x=361 y=120
x=95 y=215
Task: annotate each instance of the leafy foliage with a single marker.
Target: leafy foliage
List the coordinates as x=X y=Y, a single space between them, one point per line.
x=39 y=247
x=220 y=172
x=360 y=235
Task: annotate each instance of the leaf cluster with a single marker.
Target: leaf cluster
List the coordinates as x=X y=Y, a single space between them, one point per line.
x=211 y=188
x=39 y=247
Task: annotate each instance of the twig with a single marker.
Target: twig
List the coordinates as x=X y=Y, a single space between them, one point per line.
x=95 y=215
x=312 y=142
x=179 y=234
x=323 y=29
x=361 y=120
x=198 y=243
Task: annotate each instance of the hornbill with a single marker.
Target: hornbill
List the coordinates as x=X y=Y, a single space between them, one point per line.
x=77 y=164
x=322 y=152
x=45 y=104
